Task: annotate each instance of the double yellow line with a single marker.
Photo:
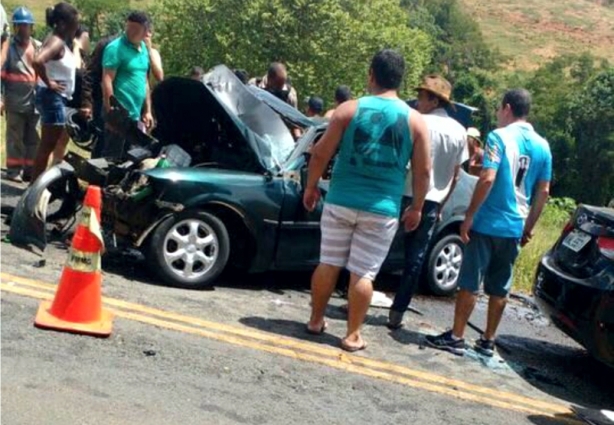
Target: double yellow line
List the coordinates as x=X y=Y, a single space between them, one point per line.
x=305 y=351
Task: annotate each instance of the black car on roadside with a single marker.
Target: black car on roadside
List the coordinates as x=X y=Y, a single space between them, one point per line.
x=574 y=283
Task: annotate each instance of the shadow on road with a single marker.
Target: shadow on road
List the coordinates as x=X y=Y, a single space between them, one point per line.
x=565 y=372
x=408 y=337
x=289 y=328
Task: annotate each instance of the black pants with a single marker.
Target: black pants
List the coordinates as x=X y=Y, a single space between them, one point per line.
x=416 y=247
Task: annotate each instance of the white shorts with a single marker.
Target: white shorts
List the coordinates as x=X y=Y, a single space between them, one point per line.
x=357 y=240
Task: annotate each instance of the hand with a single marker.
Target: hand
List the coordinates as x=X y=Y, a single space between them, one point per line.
x=147 y=119
x=526 y=237
x=411 y=219
x=86 y=112
x=465 y=229
x=311 y=198
x=56 y=86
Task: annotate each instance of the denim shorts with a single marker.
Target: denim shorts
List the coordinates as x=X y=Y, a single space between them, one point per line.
x=51 y=106
x=489 y=259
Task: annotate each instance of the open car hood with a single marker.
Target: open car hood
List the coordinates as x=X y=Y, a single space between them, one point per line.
x=264 y=128
x=287 y=112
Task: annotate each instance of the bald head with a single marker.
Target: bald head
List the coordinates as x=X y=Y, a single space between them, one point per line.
x=277 y=76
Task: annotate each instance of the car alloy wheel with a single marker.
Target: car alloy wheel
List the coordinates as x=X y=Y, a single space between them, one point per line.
x=191 y=248
x=444 y=265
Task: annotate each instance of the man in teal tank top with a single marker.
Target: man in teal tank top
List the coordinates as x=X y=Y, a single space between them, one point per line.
x=377 y=137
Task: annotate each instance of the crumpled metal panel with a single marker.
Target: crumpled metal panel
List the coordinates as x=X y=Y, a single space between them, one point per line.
x=271 y=138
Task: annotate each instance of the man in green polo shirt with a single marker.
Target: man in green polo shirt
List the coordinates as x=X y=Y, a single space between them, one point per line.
x=125 y=65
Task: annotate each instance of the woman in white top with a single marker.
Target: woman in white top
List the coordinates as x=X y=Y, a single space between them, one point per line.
x=56 y=66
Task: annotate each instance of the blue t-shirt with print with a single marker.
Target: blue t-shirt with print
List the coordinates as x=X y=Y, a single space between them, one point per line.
x=522 y=159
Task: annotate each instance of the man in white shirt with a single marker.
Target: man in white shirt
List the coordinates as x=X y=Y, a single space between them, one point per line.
x=448 y=152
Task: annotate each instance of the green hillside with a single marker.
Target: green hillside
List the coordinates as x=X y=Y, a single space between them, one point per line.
x=529 y=31
x=532 y=31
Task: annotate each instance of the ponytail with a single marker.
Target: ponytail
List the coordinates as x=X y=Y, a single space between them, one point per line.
x=50 y=17
x=61 y=12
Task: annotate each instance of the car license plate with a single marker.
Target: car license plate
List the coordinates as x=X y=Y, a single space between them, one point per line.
x=576 y=240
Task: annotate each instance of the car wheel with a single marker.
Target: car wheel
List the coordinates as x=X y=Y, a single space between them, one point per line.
x=444 y=264
x=189 y=250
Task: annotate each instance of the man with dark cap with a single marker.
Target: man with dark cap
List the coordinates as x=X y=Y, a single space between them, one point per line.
x=315 y=107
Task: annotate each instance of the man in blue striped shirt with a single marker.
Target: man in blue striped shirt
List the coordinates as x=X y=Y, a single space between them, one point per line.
x=508 y=199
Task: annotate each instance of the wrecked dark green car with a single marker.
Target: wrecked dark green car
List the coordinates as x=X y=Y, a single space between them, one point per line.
x=232 y=197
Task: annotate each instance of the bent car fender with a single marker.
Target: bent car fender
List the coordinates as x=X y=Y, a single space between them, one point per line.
x=30 y=214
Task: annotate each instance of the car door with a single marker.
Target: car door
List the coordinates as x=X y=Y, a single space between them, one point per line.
x=298 y=245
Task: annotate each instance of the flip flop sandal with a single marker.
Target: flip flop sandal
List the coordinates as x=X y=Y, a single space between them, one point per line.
x=318 y=332
x=351 y=349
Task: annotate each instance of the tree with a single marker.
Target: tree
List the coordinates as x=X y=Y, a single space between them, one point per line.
x=323 y=43
x=93 y=13
x=556 y=88
x=458 y=40
x=592 y=114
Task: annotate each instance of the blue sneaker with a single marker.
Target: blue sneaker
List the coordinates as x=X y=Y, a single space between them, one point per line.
x=447 y=342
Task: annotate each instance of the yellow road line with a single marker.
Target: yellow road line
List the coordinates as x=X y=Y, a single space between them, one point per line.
x=335 y=363
x=336 y=354
x=312 y=348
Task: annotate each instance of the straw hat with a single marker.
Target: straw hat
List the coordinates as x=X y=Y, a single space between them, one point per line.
x=438 y=86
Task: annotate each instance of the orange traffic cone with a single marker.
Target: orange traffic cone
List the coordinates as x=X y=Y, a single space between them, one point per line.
x=77 y=305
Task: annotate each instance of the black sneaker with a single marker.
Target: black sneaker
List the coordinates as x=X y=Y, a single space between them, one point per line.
x=485 y=347
x=446 y=342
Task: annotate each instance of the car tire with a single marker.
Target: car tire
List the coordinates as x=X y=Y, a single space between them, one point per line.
x=189 y=250
x=444 y=264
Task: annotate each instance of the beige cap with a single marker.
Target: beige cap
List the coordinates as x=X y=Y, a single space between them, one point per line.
x=474 y=132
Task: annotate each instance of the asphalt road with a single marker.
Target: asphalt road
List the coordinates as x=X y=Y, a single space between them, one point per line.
x=238 y=354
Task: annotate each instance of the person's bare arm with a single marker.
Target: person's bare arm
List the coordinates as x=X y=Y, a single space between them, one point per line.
x=420 y=169
x=48 y=52
x=147 y=118
x=156 y=64
x=540 y=197
x=323 y=151
x=4 y=52
x=480 y=193
x=108 y=75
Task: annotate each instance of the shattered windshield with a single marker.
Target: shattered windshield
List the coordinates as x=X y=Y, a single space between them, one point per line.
x=269 y=136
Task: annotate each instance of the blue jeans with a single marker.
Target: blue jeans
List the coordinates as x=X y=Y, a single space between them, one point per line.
x=416 y=247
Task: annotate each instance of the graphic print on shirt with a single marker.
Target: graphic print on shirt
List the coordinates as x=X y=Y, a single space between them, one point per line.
x=524 y=162
x=367 y=151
